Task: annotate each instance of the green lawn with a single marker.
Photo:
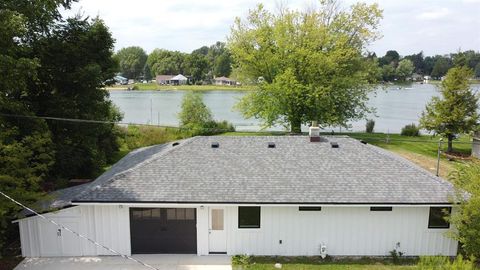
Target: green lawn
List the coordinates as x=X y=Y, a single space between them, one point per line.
x=262 y=266
x=154 y=86
x=315 y=262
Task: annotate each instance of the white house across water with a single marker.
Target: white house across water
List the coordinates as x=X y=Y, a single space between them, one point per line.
x=279 y=195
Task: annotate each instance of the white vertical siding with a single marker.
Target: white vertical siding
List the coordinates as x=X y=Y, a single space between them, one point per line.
x=202 y=230
x=345 y=230
x=354 y=231
x=108 y=225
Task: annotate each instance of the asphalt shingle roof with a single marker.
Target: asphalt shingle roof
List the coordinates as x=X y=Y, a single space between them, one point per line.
x=245 y=170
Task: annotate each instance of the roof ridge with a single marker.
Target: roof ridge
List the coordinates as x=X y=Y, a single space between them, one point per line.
x=154 y=157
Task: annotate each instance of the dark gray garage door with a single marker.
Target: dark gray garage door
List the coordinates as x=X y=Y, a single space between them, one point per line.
x=163 y=230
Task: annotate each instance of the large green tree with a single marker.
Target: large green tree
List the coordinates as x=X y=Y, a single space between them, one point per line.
x=456 y=110
x=26 y=147
x=196 y=65
x=404 y=70
x=76 y=60
x=312 y=65
x=131 y=62
x=441 y=66
x=166 y=62
x=391 y=57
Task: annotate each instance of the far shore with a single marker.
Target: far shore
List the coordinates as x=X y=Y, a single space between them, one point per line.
x=157 y=87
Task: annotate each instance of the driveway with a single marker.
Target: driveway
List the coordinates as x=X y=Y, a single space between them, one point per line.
x=160 y=261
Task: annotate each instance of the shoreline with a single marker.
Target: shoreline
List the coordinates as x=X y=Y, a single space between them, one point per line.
x=156 y=87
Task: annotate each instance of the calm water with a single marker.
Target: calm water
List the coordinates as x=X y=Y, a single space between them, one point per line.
x=395 y=107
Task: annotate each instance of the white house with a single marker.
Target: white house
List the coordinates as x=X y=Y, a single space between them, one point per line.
x=171 y=80
x=225 y=81
x=476 y=144
x=279 y=195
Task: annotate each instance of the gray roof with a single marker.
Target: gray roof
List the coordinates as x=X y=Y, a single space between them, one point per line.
x=244 y=170
x=62 y=198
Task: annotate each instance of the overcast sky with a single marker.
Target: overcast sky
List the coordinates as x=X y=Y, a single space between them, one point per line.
x=408 y=26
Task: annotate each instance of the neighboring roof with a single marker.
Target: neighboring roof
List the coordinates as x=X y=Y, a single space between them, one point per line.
x=118 y=77
x=163 y=77
x=223 y=79
x=179 y=77
x=244 y=170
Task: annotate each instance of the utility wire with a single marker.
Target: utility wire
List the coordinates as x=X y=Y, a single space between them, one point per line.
x=76 y=120
x=78 y=234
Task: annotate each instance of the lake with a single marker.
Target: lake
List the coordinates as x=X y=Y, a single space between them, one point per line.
x=395 y=107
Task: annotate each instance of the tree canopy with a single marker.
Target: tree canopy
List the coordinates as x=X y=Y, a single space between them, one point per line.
x=131 y=62
x=456 y=110
x=53 y=67
x=311 y=64
x=26 y=147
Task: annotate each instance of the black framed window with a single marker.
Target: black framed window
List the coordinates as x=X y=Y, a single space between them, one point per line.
x=436 y=218
x=249 y=217
x=309 y=208
x=380 y=208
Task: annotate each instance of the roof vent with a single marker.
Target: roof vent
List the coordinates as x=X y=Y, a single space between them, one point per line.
x=215 y=145
x=362 y=141
x=334 y=144
x=175 y=143
x=271 y=145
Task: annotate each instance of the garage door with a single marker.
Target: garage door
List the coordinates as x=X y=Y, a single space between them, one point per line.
x=163 y=230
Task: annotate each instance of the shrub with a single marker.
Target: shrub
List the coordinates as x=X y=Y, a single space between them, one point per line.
x=135 y=87
x=370 y=125
x=196 y=118
x=410 y=130
x=444 y=263
x=241 y=260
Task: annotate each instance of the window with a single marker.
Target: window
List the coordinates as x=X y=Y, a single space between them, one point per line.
x=309 y=208
x=436 y=218
x=380 y=208
x=249 y=217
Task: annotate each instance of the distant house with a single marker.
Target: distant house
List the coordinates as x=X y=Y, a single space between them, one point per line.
x=171 y=79
x=224 y=81
x=476 y=144
x=163 y=79
x=179 y=80
x=120 y=80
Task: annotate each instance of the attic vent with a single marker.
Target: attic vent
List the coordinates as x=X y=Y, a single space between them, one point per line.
x=362 y=141
x=271 y=145
x=334 y=144
x=215 y=145
x=175 y=143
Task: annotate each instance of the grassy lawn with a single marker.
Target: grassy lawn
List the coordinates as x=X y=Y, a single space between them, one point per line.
x=154 y=86
x=313 y=263
x=262 y=266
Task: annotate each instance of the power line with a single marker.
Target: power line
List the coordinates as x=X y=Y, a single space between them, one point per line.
x=78 y=234
x=77 y=120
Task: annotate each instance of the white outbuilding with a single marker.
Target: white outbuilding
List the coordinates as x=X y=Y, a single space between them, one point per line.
x=281 y=195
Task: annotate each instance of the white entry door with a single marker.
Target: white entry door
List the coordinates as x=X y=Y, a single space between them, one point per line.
x=217 y=236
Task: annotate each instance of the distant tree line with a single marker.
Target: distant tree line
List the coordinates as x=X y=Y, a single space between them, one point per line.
x=201 y=65
x=393 y=67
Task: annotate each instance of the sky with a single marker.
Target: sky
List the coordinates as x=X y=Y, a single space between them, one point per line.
x=408 y=26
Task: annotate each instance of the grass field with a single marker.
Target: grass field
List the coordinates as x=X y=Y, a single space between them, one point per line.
x=154 y=87
x=315 y=262
x=262 y=266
